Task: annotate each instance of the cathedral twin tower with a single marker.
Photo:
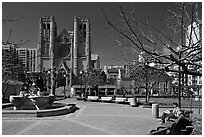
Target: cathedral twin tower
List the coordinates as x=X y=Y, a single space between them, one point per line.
x=70 y=50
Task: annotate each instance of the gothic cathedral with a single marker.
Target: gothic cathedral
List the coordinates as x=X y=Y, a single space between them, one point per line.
x=70 y=50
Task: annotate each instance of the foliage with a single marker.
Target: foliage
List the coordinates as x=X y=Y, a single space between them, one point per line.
x=6 y=84
x=61 y=78
x=112 y=81
x=93 y=78
x=12 y=69
x=197 y=122
x=140 y=71
x=11 y=66
x=146 y=77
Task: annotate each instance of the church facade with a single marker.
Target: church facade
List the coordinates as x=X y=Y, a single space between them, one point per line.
x=70 y=50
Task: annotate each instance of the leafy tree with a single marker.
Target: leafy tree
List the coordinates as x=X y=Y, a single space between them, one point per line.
x=146 y=77
x=112 y=81
x=92 y=78
x=61 y=78
x=11 y=66
x=12 y=70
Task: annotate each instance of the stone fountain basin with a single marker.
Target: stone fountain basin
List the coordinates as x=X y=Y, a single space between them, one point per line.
x=56 y=109
x=30 y=102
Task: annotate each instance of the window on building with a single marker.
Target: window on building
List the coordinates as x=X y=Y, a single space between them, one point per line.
x=84 y=36
x=44 y=29
x=80 y=27
x=84 y=27
x=44 y=26
x=48 y=26
x=196 y=81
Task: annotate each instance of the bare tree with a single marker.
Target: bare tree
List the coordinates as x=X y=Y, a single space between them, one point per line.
x=12 y=19
x=176 y=45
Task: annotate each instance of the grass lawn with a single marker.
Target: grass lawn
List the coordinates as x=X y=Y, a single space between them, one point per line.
x=170 y=101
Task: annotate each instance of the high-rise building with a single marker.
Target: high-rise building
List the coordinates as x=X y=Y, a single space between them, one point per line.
x=9 y=54
x=28 y=58
x=23 y=56
x=32 y=60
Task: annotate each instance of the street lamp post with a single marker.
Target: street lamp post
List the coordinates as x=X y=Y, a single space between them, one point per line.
x=48 y=81
x=81 y=77
x=146 y=81
x=179 y=86
x=64 y=75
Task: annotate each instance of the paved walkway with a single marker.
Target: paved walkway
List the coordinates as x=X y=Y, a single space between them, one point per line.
x=92 y=118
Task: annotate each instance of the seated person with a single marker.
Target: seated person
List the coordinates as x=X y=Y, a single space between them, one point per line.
x=24 y=90
x=175 y=113
x=35 y=91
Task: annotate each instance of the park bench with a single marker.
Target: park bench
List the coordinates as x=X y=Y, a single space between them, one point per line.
x=92 y=98
x=179 y=126
x=120 y=99
x=108 y=99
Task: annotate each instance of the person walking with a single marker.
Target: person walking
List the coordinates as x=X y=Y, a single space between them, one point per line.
x=40 y=83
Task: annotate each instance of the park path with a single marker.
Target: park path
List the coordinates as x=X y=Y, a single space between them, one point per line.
x=92 y=118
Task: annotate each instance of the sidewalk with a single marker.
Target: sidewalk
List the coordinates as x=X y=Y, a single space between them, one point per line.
x=93 y=118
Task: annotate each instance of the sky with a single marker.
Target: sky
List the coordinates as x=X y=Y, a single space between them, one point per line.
x=102 y=35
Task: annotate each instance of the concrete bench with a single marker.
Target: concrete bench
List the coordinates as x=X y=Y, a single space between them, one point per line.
x=120 y=99
x=106 y=98
x=92 y=98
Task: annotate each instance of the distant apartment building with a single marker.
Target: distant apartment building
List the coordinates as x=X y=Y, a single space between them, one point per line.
x=28 y=58
x=23 y=56
x=193 y=36
x=32 y=60
x=9 y=54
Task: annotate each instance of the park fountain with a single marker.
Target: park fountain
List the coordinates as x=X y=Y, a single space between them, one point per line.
x=35 y=105
x=31 y=102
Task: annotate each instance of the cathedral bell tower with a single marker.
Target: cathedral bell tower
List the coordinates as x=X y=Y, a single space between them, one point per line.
x=48 y=33
x=81 y=47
